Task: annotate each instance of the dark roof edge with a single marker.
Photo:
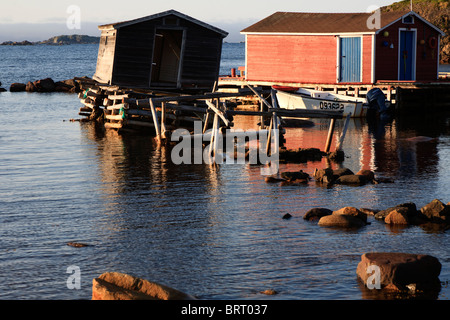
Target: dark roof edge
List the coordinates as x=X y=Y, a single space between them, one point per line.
x=119 y=25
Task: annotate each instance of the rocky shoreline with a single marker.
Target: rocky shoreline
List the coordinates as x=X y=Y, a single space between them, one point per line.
x=45 y=85
x=57 y=40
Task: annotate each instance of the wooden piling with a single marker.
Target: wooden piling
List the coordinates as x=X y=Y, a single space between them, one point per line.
x=330 y=135
x=155 y=120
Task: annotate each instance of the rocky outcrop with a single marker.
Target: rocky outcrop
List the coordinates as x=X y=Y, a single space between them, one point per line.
x=119 y=286
x=58 y=40
x=47 y=85
x=17 y=43
x=71 y=39
x=344 y=176
x=433 y=213
x=399 y=271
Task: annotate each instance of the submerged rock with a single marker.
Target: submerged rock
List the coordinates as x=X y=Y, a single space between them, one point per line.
x=342 y=221
x=347 y=217
x=296 y=175
x=119 y=286
x=354 y=179
x=317 y=213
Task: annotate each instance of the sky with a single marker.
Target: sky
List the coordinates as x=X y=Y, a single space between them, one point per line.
x=39 y=20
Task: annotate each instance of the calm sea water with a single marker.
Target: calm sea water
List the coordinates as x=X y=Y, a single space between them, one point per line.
x=216 y=233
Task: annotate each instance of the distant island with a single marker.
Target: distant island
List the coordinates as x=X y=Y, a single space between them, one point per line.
x=58 y=40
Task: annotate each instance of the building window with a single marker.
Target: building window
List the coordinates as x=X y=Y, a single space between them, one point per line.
x=408 y=20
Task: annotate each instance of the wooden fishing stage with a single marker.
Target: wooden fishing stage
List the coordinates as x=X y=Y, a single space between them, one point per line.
x=161 y=113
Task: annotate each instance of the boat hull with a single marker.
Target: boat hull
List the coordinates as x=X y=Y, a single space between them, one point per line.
x=289 y=100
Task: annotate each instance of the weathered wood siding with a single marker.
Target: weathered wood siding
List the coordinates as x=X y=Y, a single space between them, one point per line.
x=130 y=64
x=202 y=55
x=133 y=57
x=291 y=58
x=105 y=59
x=387 y=59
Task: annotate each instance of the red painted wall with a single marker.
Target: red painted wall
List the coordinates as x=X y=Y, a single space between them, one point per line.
x=387 y=58
x=367 y=59
x=299 y=58
x=291 y=58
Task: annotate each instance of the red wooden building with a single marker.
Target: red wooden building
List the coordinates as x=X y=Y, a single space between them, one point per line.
x=338 y=48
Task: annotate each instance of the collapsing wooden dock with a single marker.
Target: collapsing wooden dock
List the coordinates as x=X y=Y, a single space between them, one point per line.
x=161 y=113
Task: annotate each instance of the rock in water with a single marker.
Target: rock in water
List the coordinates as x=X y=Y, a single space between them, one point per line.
x=317 y=213
x=436 y=211
x=341 y=221
x=399 y=270
x=119 y=286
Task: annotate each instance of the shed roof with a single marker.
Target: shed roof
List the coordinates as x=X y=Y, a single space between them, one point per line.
x=326 y=23
x=122 y=24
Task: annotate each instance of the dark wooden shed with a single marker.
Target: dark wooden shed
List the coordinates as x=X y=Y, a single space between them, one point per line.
x=168 y=50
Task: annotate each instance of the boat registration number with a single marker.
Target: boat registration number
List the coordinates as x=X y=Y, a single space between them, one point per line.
x=331 y=105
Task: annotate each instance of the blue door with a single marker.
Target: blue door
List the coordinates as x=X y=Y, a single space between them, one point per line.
x=407 y=55
x=350 y=59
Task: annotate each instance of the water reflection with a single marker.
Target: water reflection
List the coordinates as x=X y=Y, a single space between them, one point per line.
x=221 y=227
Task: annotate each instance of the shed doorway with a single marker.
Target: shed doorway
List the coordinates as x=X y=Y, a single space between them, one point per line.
x=167 y=56
x=350 y=59
x=407 y=55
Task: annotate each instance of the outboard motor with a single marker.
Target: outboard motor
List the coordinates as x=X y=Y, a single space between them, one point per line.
x=376 y=100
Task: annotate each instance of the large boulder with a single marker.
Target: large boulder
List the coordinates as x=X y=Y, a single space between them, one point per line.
x=398 y=216
x=410 y=207
x=119 y=286
x=30 y=87
x=436 y=211
x=17 y=87
x=399 y=271
x=325 y=176
x=341 y=221
x=351 y=211
x=45 y=85
x=347 y=217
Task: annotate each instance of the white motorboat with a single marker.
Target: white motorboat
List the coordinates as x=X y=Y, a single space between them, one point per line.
x=322 y=100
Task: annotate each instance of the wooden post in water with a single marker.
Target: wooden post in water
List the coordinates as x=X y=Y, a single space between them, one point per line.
x=163 y=120
x=341 y=139
x=205 y=126
x=213 y=141
x=155 y=120
x=330 y=135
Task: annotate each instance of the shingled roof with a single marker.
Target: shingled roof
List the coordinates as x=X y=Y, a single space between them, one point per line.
x=329 y=23
x=122 y=24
